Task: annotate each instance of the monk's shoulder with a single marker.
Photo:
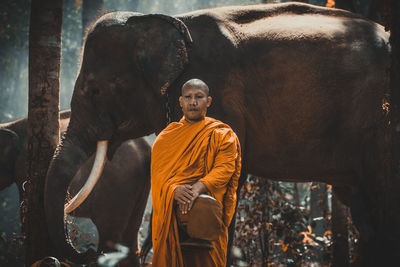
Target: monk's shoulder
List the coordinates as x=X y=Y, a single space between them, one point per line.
x=222 y=131
x=164 y=134
x=216 y=124
x=173 y=126
x=225 y=134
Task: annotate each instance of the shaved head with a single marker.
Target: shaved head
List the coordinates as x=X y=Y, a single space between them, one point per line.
x=196 y=83
x=195 y=100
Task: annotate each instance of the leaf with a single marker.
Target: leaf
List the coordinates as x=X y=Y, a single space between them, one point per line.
x=327 y=232
x=314 y=187
x=330 y=3
x=284 y=246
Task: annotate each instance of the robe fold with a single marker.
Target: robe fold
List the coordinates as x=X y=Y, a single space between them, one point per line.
x=184 y=153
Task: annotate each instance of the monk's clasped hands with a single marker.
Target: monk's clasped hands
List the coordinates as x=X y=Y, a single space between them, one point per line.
x=185 y=197
x=186 y=194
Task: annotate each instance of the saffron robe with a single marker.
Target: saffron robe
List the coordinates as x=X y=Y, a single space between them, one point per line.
x=184 y=153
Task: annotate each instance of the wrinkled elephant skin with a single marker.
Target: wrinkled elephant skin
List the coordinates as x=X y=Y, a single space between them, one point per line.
x=117 y=203
x=13 y=150
x=301 y=85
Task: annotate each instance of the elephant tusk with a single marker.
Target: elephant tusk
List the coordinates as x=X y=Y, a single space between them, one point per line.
x=94 y=176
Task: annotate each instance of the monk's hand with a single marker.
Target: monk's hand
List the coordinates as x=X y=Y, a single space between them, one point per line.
x=184 y=197
x=197 y=189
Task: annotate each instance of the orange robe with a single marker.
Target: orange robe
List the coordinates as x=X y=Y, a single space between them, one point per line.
x=184 y=153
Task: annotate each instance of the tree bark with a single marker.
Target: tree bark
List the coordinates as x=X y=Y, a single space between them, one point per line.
x=340 y=213
x=391 y=218
x=43 y=118
x=318 y=208
x=91 y=9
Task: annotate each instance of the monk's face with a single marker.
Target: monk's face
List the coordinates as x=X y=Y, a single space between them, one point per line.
x=194 y=102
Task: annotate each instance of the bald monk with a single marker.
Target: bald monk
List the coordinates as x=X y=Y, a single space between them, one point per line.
x=197 y=155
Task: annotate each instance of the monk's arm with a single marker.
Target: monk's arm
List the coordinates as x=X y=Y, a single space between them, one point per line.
x=224 y=164
x=199 y=188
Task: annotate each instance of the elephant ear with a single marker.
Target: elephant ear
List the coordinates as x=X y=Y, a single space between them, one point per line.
x=161 y=48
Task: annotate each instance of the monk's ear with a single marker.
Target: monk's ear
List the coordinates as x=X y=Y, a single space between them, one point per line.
x=209 y=100
x=180 y=101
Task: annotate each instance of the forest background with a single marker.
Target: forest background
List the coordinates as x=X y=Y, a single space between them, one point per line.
x=277 y=223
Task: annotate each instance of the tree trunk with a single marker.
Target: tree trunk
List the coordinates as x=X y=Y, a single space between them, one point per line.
x=340 y=214
x=266 y=219
x=391 y=218
x=318 y=208
x=91 y=9
x=43 y=118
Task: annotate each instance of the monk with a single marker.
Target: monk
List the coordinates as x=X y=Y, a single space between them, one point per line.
x=197 y=155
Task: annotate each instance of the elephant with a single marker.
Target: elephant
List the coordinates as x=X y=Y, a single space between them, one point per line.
x=304 y=88
x=116 y=216
x=13 y=151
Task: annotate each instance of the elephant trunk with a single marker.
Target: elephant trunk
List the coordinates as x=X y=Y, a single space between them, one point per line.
x=69 y=156
x=95 y=173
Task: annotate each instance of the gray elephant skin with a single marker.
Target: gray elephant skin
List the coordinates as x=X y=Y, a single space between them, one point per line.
x=301 y=85
x=117 y=203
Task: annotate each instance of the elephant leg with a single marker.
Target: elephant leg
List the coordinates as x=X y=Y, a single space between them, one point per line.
x=371 y=209
x=108 y=232
x=378 y=244
x=363 y=221
x=344 y=194
x=111 y=223
x=231 y=229
x=148 y=242
x=130 y=234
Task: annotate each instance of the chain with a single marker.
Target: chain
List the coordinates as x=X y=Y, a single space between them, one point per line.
x=167 y=106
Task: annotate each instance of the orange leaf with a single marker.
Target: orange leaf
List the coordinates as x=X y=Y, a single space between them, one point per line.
x=284 y=246
x=330 y=3
x=314 y=187
x=327 y=232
